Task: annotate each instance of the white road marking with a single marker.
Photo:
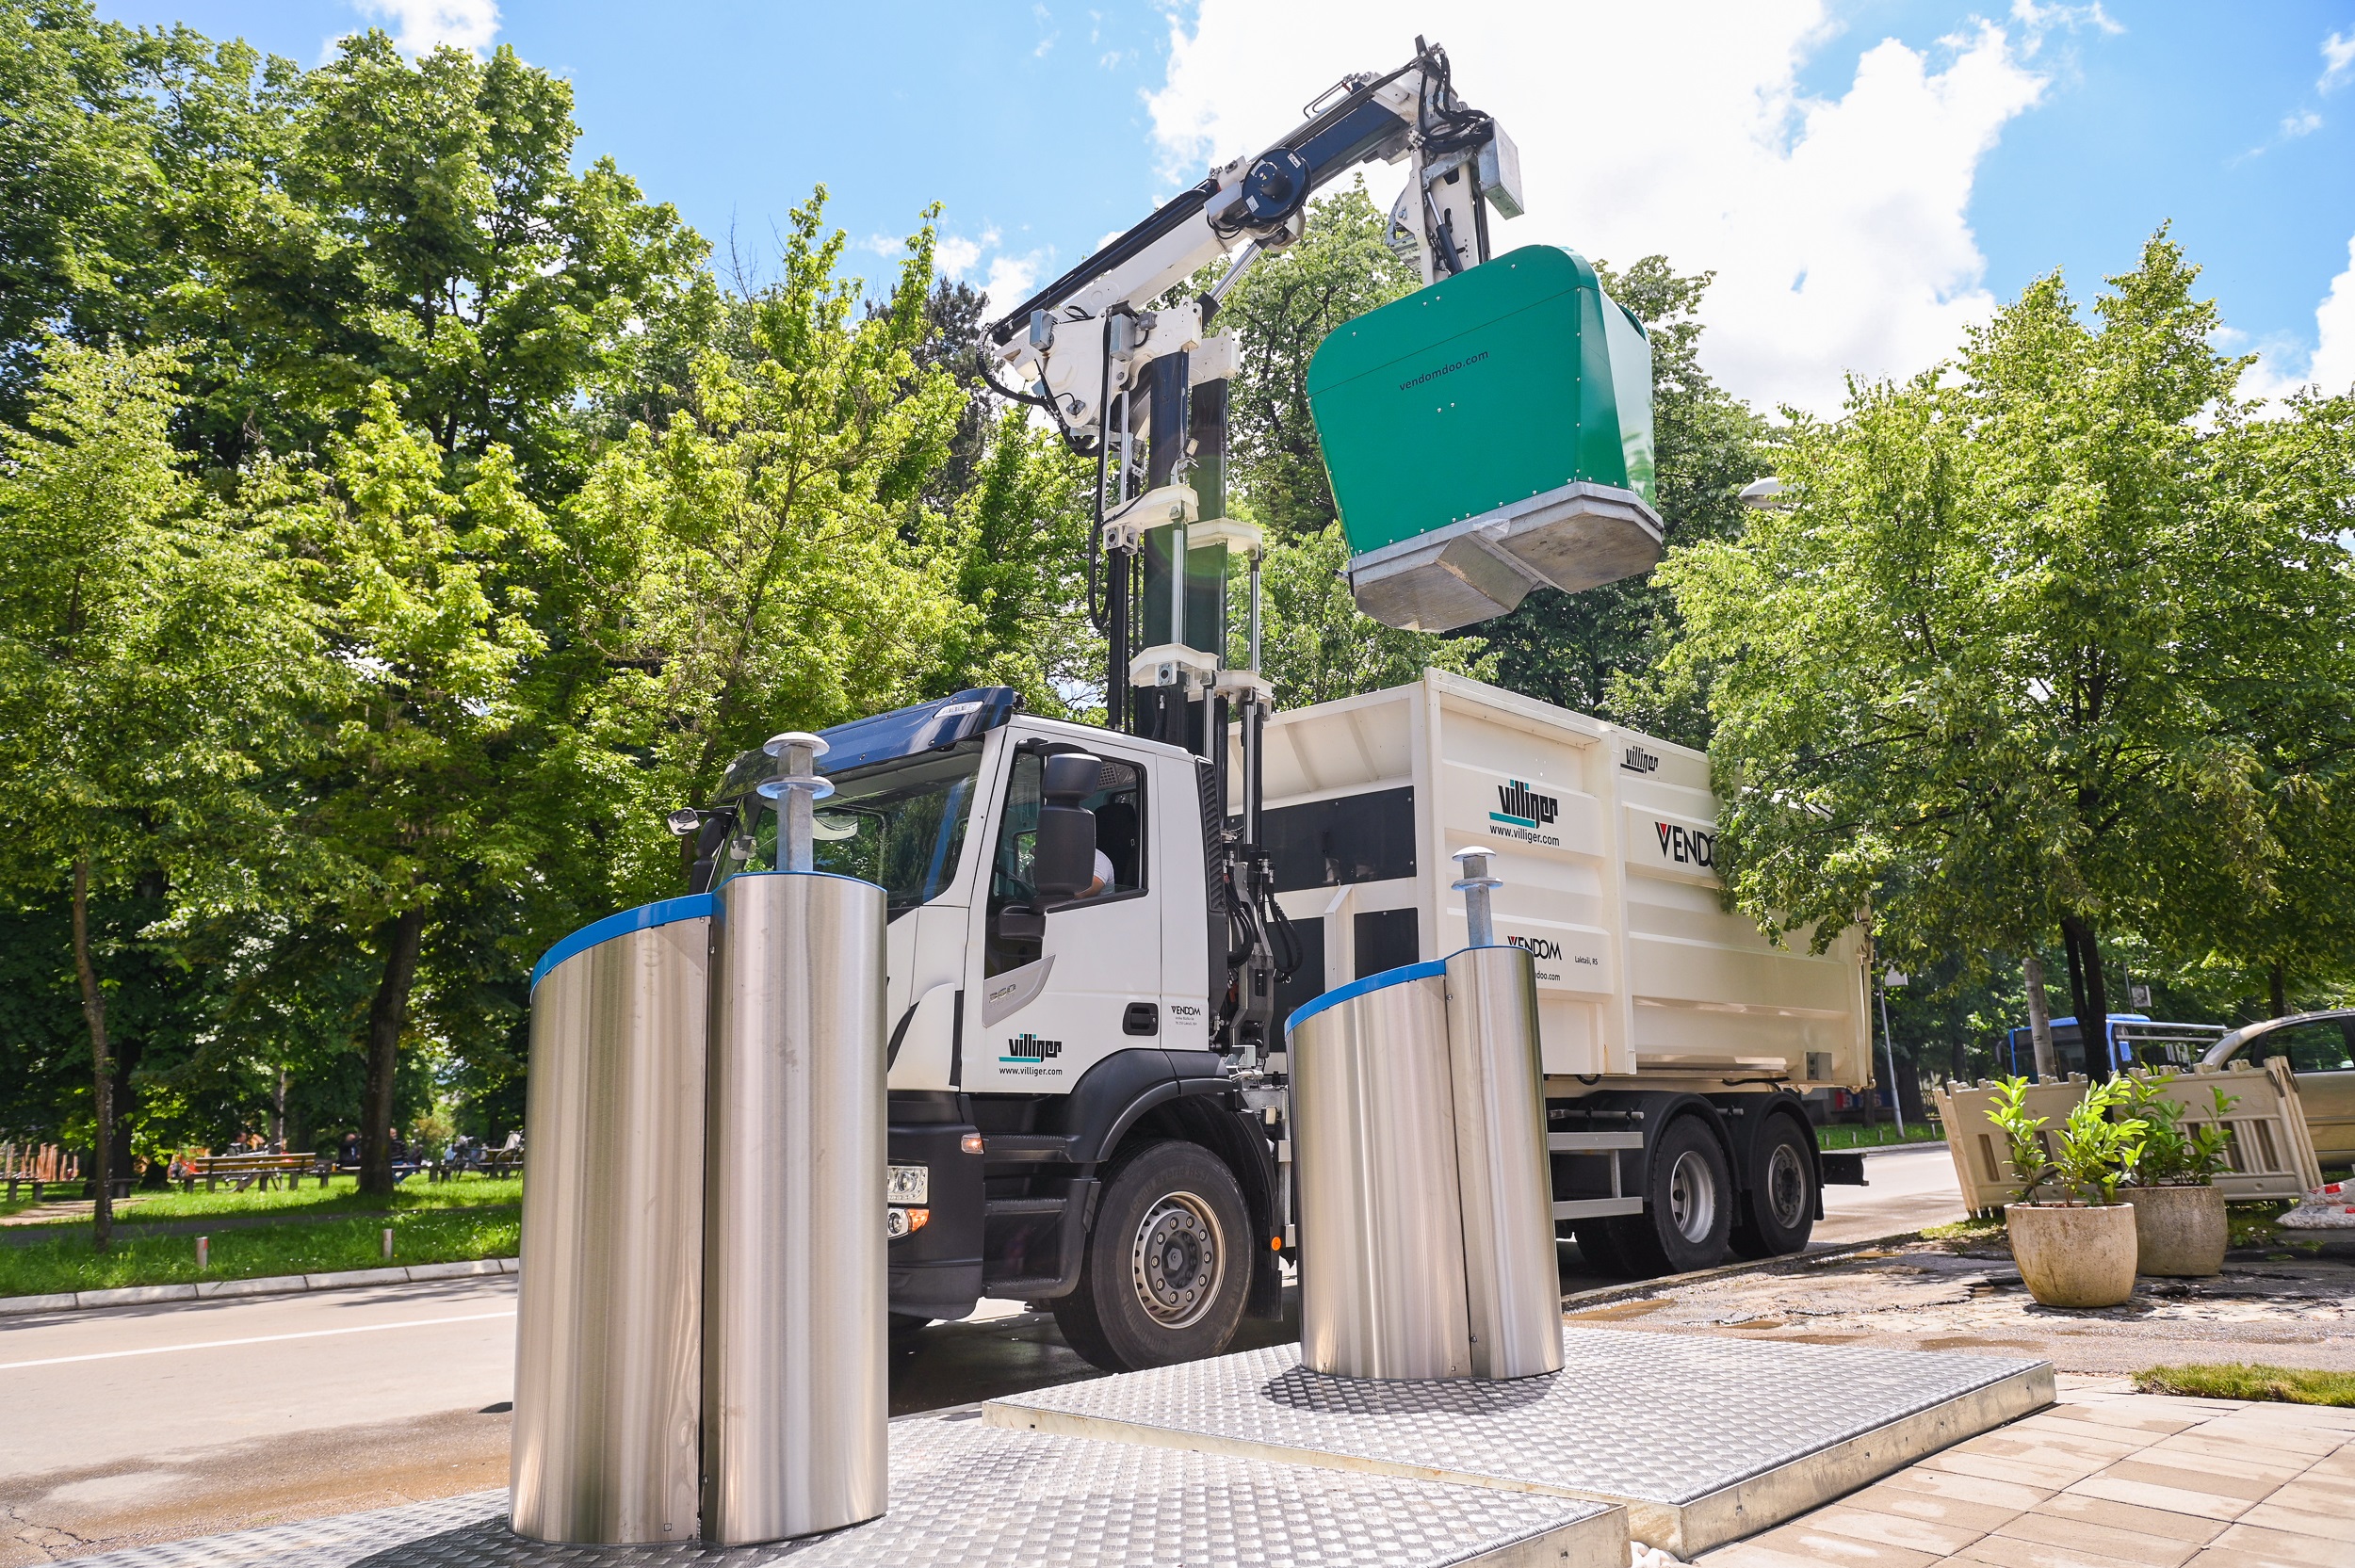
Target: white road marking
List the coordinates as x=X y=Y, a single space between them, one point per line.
x=258 y=1339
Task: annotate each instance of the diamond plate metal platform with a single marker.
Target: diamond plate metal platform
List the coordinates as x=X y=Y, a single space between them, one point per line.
x=1702 y=1440
x=972 y=1495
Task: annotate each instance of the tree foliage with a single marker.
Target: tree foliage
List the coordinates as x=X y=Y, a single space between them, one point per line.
x=2058 y=638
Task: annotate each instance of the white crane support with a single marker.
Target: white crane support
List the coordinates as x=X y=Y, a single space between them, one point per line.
x=1075 y=361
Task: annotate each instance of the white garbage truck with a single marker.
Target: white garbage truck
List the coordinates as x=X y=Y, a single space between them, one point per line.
x=1096 y=933
x=1079 y=1116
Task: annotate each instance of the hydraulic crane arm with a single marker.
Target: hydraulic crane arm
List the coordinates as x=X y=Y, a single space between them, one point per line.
x=1057 y=341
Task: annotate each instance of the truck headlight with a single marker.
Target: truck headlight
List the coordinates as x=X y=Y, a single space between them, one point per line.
x=908 y=1184
x=904 y=1221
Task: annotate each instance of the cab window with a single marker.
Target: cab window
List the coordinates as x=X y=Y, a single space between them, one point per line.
x=1119 y=807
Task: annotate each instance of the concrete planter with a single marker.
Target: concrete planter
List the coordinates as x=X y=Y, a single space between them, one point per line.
x=2073 y=1256
x=2180 y=1231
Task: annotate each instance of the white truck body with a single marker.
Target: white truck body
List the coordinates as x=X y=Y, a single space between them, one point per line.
x=1602 y=838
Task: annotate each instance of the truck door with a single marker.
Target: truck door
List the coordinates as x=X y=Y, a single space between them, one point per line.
x=1064 y=985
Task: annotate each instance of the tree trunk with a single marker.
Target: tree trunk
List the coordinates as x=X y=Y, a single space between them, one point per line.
x=2277 y=975
x=399 y=938
x=2076 y=980
x=2093 y=1003
x=278 y=1116
x=2040 y=1016
x=101 y=1069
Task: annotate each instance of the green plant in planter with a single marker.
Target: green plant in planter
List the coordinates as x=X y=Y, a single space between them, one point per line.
x=2091 y=1152
x=2170 y=1155
x=2095 y=1151
x=2029 y=1165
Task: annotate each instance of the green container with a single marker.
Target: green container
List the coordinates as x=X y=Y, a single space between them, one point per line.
x=1489 y=434
x=1499 y=383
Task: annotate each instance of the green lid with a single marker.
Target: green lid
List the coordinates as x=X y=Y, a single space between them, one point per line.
x=1503 y=382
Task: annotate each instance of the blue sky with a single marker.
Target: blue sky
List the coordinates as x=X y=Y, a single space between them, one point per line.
x=1866 y=177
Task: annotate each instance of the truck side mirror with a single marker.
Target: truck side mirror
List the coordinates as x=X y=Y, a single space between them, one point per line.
x=1062 y=856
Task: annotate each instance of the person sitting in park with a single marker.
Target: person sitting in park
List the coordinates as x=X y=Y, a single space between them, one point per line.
x=348 y=1156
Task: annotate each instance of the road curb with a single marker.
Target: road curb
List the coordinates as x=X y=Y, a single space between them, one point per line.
x=277 y=1284
x=1605 y=1294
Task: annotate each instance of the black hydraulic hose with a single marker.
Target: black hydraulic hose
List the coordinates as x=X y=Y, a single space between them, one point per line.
x=1103 y=461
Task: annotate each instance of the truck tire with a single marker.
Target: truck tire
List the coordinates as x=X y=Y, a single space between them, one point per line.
x=1166 y=1268
x=1688 y=1204
x=1779 y=1210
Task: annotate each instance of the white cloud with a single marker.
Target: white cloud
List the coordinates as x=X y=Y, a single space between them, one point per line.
x=1838 y=226
x=2305 y=123
x=2338 y=62
x=1011 y=278
x=2036 y=20
x=2329 y=363
x=421 y=26
x=955 y=254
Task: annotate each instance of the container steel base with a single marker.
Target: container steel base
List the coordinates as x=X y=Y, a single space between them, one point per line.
x=972 y=1495
x=1702 y=1440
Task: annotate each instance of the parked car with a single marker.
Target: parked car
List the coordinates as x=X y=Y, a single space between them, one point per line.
x=2321 y=1051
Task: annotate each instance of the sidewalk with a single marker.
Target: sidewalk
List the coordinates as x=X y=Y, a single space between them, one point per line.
x=2104 y=1478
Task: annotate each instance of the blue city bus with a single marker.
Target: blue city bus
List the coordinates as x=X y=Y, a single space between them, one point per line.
x=2068 y=1052
x=2134 y=1041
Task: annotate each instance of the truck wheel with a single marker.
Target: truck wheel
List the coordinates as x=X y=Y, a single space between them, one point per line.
x=1780 y=1210
x=1165 y=1272
x=1688 y=1206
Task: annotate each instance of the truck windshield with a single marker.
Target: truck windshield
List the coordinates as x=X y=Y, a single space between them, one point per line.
x=898 y=824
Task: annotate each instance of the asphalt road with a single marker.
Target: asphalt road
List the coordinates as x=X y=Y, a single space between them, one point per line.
x=143 y=1424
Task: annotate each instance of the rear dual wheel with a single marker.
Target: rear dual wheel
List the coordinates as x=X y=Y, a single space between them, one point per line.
x=1688 y=1207
x=1779 y=1213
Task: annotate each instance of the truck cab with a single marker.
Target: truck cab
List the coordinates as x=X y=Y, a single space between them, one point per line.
x=1062 y=1128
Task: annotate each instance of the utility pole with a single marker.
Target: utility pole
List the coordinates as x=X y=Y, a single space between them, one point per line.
x=1896 y=1100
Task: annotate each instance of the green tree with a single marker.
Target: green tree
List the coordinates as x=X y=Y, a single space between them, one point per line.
x=151 y=659
x=2015 y=653
x=764 y=562
x=421 y=798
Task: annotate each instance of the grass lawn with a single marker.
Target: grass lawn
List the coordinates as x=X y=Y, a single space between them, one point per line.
x=1876 y=1137
x=340 y=1195
x=2241 y=1379
x=447 y=1235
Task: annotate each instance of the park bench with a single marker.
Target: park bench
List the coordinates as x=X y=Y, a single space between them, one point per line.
x=246 y=1169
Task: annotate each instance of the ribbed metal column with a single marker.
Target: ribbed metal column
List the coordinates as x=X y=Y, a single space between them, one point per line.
x=1373 y=1143
x=1511 y=1282
x=607 y=1375
x=793 y=1274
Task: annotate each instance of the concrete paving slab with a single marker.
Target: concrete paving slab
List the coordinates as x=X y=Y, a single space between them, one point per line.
x=1702 y=1440
x=965 y=1494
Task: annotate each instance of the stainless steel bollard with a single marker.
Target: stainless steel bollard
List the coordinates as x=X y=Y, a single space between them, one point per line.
x=1512 y=1280
x=1373 y=1143
x=606 y=1378
x=794 y=1396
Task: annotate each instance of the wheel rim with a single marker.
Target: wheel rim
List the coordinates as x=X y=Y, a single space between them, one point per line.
x=1786 y=1186
x=1179 y=1260
x=1693 y=1196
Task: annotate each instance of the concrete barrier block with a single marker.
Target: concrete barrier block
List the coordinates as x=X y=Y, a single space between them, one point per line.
x=12 y=1306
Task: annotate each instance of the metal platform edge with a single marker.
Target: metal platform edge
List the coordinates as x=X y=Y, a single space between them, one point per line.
x=1787 y=1490
x=1745 y=1508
